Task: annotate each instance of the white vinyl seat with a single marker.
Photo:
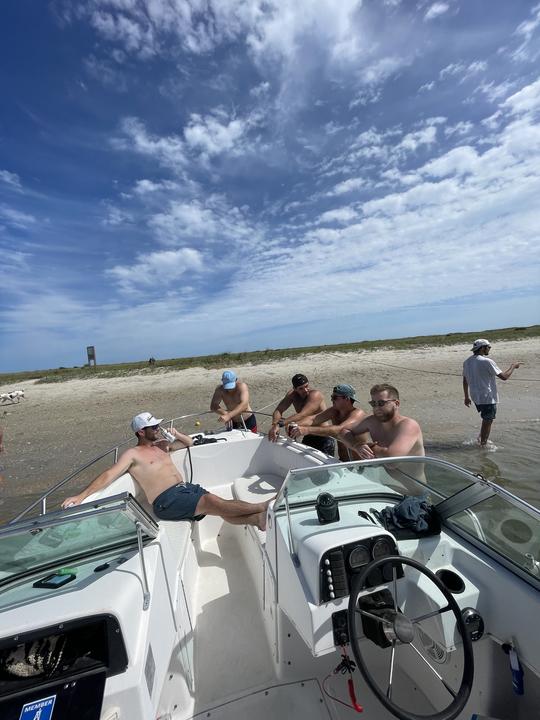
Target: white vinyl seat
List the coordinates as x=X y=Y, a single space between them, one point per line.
x=257 y=488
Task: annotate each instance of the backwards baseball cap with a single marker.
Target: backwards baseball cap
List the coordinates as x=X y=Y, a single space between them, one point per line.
x=144 y=420
x=480 y=343
x=228 y=380
x=345 y=390
x=298 y=380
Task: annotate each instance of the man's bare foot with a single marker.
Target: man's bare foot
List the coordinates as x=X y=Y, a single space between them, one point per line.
x=261 y=521
x=267 y=502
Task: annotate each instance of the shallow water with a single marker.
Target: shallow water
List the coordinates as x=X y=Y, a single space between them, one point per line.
x=512 y=461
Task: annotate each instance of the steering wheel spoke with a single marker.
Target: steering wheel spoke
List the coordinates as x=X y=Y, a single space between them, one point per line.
x=394 y=628
x=431 y=614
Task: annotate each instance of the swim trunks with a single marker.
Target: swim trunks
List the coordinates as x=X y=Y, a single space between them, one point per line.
x=251 y=424
x=324 y=444
x=487 y=412
x=179 y=502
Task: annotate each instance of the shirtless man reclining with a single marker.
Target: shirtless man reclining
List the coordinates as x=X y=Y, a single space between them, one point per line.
x=152 y=468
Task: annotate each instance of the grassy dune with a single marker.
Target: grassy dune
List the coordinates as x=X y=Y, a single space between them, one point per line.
x=224 y=360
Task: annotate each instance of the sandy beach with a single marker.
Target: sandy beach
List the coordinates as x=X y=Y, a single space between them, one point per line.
x=59 y=427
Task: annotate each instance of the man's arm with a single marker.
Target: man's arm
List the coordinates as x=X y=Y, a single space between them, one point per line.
x=315 y=398
x=467 y=399
x=506 y=374
x=103 y=480
x=240 y=407
x=315 y=426
x=216 y=400
x=277 y=417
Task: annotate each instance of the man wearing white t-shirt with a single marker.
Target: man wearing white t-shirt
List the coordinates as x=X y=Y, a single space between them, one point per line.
x=480 y=375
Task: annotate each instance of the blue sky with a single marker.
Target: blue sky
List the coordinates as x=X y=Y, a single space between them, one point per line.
x=181 y=177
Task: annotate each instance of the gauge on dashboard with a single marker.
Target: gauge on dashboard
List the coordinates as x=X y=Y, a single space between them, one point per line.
x=359 y=556
x=382 y=547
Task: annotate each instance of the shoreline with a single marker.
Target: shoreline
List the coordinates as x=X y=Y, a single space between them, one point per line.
x=61 y=426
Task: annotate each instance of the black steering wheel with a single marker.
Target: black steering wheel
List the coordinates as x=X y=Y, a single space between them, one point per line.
x=391 y=628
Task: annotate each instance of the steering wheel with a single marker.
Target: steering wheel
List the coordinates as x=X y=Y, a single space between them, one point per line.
x=394 y=628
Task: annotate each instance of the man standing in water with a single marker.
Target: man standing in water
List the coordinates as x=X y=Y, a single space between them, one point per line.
x=480 y=375
x=235 y=396
x=392 y=434
x=307 y=403
x=150 y=465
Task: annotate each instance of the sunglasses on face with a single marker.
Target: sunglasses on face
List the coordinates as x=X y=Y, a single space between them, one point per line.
x=151 y=427
x=336 y=397
x=380 y=403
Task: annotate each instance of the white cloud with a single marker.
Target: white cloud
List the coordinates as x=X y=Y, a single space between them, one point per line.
x=347 y=186
x=339 y=215
x=526 y=100
x=461 y=128
x=157 y=269
x=436 y=10
x=211 y=136
x=11 y=179
x=16 y=218
x=168 y=151
x=526 y=30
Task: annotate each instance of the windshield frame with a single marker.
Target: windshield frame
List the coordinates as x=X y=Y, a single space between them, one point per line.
x=123 y=503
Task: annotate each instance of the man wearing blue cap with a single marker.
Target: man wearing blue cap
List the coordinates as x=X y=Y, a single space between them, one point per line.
x=234 y=394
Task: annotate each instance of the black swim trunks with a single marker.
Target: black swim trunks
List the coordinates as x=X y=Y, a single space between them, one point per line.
x=251 y=423
x=179 y=502
x=324 y=444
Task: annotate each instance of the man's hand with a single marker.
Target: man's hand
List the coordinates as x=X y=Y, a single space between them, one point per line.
x=467 y=401
x=296 y=431
x=74 y=500
x=273 y=433
x=365 y=452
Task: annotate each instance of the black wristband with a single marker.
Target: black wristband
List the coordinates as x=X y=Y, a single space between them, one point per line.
x=281 y=423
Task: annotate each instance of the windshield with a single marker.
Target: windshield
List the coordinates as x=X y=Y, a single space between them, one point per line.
x=407 y=476
x=502 y=525
x=56 y=539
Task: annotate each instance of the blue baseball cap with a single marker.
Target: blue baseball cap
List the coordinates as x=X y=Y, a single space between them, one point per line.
x=228 y=380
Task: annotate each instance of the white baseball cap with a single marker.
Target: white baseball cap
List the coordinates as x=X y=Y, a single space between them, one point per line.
x=144 y=420
x=480 y=343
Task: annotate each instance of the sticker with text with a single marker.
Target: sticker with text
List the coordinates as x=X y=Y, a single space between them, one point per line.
x=38 y=709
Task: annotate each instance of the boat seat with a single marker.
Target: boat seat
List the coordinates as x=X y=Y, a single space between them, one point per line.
x=257 y=488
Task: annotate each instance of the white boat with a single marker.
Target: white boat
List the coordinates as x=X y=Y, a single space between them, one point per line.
x=107 y=613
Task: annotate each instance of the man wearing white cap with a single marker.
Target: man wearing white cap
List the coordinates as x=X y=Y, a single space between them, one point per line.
x=234 y=394
x=480 y=375
x=150 y=465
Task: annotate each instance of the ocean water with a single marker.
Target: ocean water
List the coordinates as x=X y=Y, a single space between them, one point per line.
x=512 y=460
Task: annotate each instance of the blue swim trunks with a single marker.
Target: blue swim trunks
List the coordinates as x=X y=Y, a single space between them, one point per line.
x=179 y=502
x=487 y=412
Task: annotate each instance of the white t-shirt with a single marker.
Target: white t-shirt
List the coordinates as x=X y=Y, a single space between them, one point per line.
x=481 y=374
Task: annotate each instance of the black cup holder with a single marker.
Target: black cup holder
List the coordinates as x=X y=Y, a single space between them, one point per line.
x=451 y=581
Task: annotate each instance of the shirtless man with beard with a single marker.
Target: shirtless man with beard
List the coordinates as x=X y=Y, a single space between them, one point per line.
x=392 y=434
x=307 y=403
x=151 y=466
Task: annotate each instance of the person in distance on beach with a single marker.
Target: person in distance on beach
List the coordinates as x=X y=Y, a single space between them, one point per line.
x=480 y=375
x=392 y=434
x=341 y=415
x=307 y=403
x=234 y=394
x=152 y=468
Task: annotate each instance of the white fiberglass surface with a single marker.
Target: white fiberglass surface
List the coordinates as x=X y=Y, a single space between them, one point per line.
x=231 y=653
